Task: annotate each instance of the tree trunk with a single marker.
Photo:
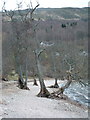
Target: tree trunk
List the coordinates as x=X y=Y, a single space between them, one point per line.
x=62 y=89
x=25 y=84
x=55 y=71
x=56 y=84
x=43 y=91
x=4 y=79
x=35 y=82
x=21 y=83
x=67 y=84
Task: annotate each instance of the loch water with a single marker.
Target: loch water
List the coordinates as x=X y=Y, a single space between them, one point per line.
x=79 y=93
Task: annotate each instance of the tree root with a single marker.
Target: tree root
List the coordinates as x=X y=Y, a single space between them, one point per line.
x=58 y=97
x=35 y=82
x=4 y=79
x=26 y=88
x=54 y=86
x=22 y=84
x=44 y=93
x=55 y=95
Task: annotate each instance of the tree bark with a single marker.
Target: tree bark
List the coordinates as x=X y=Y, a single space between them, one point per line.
x=62 y=89
x=43 y=91
x=4 y=79
x=21 y=83
x=55 y=71
x=56 y=84
x=25 y=84
x=35 y=82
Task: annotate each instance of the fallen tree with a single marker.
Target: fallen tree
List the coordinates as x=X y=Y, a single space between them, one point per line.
x=59 y=93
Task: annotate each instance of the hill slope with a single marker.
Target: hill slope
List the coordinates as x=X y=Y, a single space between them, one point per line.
x=59 y=13
x=62 y=13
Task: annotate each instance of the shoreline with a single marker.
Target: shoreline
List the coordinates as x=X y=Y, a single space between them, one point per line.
x=13 y=97
x=13 y=82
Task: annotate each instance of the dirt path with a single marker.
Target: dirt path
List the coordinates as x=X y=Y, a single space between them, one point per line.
x=18 y=103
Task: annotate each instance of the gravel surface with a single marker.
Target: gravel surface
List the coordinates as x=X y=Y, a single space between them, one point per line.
x=17 y=103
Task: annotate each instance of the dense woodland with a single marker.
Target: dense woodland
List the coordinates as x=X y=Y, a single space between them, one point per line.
x=40 y=43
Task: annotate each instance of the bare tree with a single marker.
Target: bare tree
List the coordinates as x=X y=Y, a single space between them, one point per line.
x=17 y=27
x=54 y=67
x=34 y=75
x=69 y=80
x=43 y=91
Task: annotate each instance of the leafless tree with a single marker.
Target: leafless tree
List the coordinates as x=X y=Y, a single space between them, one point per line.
x=43 y=91
x=55 y=72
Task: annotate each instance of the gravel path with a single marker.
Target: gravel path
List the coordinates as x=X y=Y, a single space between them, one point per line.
x=17 y=103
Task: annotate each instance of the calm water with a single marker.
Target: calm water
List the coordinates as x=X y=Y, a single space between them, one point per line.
x=79 y=93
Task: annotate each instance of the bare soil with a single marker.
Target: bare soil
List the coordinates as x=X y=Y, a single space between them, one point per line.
x=18 y=103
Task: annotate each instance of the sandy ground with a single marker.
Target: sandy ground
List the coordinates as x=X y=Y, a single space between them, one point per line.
x=17 y=103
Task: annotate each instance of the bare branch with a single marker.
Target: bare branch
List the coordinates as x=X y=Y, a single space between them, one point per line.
x=38 y=53
x=33 y=10
x=8 y=13
x=31 y=4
